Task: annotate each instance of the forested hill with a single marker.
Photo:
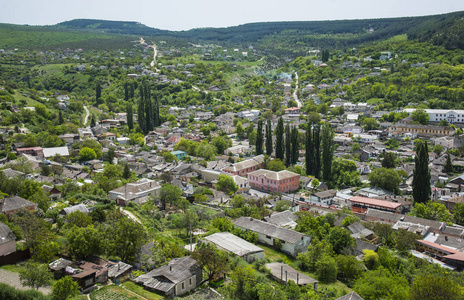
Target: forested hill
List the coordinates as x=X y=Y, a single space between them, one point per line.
x=446 y=30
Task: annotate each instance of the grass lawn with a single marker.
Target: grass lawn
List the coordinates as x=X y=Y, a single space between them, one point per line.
x=12 y=268
x=141 y=291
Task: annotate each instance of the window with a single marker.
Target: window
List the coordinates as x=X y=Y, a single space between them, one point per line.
x=190 y=281
x=183 y=286
x=268 y=237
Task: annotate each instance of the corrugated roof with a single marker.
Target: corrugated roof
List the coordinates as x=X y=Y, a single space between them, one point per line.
x=13 y=203
x=281 y=175
x=269 y=229
x=166 y=277
x=231 y=243
x=375 y=202
x=437 y=246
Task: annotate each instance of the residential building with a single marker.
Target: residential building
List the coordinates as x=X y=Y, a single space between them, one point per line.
x=178 y=277
x=34 y=151
x=12 y=204
x=293 y=242
x=270 y=181
x=421 y=130
x=244 y=167
x=324 y=197
x=79 y=207
x=135 y=191
x=362 y=204
x=231 y=243
x=453 y=116
x=179 y=154
x=50 y=152
x=282 y=219
x=7 y=240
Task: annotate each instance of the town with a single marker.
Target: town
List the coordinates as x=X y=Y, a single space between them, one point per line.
x=204 y=171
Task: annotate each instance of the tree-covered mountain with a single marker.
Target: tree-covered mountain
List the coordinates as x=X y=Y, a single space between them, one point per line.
x=443 y=30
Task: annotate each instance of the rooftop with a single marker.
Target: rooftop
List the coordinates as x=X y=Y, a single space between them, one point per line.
x=375 y=202
x=281 y=175
x=231 y=243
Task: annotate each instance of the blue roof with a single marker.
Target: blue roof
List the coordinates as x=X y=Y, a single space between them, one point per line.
x=178 y=152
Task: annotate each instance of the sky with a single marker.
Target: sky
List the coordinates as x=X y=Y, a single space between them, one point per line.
x=188 y=14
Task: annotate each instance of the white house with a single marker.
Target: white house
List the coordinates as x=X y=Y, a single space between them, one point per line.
x=231 y=243
x=135 y=191
x=293 y=242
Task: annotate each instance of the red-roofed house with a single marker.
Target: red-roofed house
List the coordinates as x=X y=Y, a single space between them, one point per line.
x=362 y=204
x=292 y=110
x=456 y=259
x=433 y=248
x=173 y=140
x=34 y=151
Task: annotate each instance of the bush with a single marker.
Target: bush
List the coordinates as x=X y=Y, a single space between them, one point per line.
x=9 y=292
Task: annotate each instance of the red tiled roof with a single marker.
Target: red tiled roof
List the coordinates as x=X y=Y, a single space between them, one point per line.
x=456 y=256
x=375 y=202
x=437 y=246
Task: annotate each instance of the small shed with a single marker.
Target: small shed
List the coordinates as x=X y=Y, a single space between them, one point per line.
x=282 y=273
x=231 y=243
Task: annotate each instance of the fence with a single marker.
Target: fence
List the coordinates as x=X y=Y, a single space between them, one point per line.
x=14 y=257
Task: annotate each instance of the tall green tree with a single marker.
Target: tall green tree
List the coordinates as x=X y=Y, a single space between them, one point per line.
x=141 y=109
x=259 y=138
x=448 y=167
x=295 y=145
x=111 y=154
x=279 y=152
x=317 y=149
x=148 y=109
x=98 y=91
x=421 y=189
x=328 y=148
x=65 y=288
x=130 y=116
x=60 y=118
x=269 y=147
x=35 y=275
x=309 y=149
x=288 y=146
x=389 y=160
x=156 y=116
x=126 y=174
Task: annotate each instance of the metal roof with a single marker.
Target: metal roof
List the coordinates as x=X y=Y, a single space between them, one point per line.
x=231 y=243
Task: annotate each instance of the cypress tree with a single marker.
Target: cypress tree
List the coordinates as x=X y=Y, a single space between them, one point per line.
x=92 y=121
x=295 y=145
x=317 y=149
x=309 y=150
x=259 y=138
x=288 y=146
x=141 y=110
x=131 y=91
x=328 y=148
x=156 y=118
x=130 y=116
x=280 y=140
x=148 y=109
x=448 y=167
x=421 y=189
x=126 y=174
x=126 y=91
x=60 y=118
x=269 y=147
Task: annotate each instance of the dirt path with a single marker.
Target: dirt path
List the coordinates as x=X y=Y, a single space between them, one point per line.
x=87 y=113
x=298 y=102
x=130 y=215
x=12 y=279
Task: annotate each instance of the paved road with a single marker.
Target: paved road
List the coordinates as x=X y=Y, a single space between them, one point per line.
x=86 y=115
x=12 y=279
